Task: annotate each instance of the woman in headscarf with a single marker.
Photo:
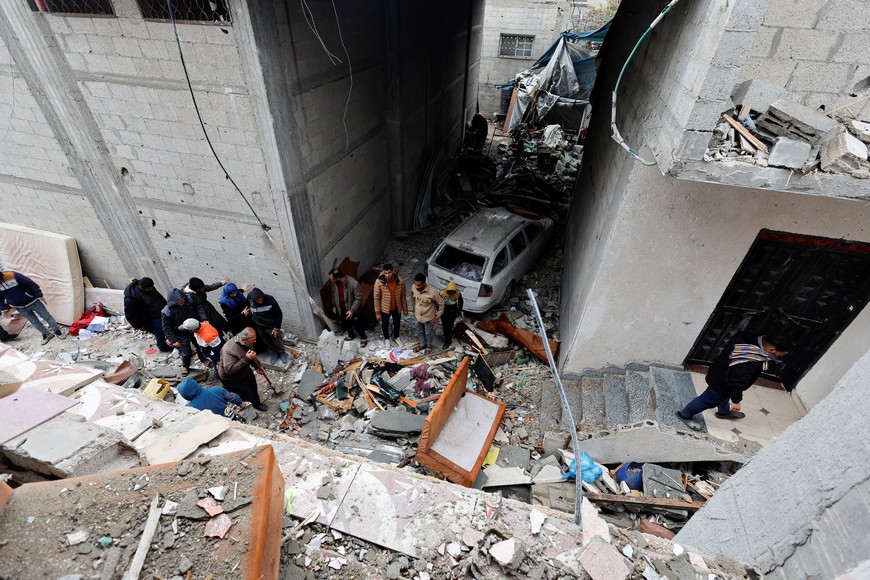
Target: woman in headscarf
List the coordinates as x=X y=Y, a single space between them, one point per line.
x=235 y=306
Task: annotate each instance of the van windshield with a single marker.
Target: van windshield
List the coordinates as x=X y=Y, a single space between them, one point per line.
x=461 y=263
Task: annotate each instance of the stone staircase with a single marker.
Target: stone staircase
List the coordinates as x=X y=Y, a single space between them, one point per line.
x=604 y=399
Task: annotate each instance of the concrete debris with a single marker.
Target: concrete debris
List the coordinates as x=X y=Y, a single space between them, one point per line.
x=789 y=153
x=508 y=553
x=844 y=153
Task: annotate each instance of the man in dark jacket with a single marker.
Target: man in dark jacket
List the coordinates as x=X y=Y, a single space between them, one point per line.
x=734 y=371
x=142 y=306
x=20 y=292
x=346 y=305
x=218 y=400
x=267 y=317
x=177 y=310
x=197 y=292
x=235 y=370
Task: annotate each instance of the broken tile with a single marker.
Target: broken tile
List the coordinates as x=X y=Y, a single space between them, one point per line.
x=218 y=526
x=603 y=562
x=210 y=506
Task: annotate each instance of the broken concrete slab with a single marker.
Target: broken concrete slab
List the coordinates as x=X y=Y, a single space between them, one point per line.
x=789 y=153
x=548 y=474
x=663 y=482
x=514 y=456
x=508 y=553
x=186 y=436
x=9 y=383
x=843 y=153
x=559 y=496
x=393 y=422
x=788 y=118
x=28 y=408
x=592 y=524
x=603 y=562
x=651 y=442
x=308 y=382
x=83 y=449
x=501 y=476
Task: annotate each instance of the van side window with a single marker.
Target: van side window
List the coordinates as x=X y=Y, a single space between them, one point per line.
x=500 y=262
x=518 y=244
x=532 y=232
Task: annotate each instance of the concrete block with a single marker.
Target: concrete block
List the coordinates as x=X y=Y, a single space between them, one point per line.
x=83 y=449
x=603 y=562
x=805 y=45
x=854 y=48
x=758 y=93
x=823 y=77
x=508 y=553
x=843 y=153
x=795 y=14
x=844 y=15
x=773 y=70
x=789 y=153
x=791 y=119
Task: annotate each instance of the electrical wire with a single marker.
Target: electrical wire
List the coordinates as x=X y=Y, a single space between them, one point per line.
x=201 y=123
x=306 y=13
x=350 y=70
x=615 y=134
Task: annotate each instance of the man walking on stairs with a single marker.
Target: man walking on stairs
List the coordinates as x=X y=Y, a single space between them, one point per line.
x=735 y=370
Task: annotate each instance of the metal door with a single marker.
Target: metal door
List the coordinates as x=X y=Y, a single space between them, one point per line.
x=804 y=287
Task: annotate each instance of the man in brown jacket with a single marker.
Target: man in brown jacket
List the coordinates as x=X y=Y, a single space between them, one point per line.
x=235 y=369
x=428 y=308
x=391 y=302
x=346 y=305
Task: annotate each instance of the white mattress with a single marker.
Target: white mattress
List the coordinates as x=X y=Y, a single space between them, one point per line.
x=52 y=261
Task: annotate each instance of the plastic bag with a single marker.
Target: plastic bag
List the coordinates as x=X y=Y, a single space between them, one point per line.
x=591 y=470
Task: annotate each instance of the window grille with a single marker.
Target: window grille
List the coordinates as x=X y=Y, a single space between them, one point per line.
x=516 y=46
x=91 y=7
x=187 y=10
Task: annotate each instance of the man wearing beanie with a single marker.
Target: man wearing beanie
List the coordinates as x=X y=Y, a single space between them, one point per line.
x=142 y=306
x=197 y=292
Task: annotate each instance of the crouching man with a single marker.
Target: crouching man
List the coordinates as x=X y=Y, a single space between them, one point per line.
x=218 y=400
x=236 y=367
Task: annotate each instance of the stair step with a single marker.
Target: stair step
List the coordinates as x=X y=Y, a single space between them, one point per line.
x=593 y=401
x=640 y=404
x=574 y=392
x=615 y=399
x=674 y=388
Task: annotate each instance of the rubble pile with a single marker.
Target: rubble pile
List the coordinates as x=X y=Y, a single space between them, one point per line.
x=769 y=129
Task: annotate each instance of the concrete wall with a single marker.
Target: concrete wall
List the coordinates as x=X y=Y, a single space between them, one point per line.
x=799 y=508
x=543 y=19
x=647 y=257
x=817 y=49
x=106 y=144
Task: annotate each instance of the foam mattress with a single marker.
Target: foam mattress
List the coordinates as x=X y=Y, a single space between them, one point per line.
x=52 y=261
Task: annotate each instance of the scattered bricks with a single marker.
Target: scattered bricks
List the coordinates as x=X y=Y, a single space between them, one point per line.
x=85 y=448
x=843 y=153
x=94 y=502
x=603 y=562
x=508 y=553
x=789 y=153
x=790 y=119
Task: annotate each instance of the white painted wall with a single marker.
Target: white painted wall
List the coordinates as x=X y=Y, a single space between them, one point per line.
x=674 y=247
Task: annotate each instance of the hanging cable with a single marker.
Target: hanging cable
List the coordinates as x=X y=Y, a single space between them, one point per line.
x=306 y=13
x=616 y=135
x=350 y=70
x=199 y=116
x=293 y=274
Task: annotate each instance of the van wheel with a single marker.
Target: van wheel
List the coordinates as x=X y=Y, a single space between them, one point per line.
x=506 y=297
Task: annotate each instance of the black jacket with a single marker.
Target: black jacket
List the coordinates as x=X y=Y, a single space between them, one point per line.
x=173 y=315
x=267 y=315
x=732 y=381
x=214 y=317
x=140 y=308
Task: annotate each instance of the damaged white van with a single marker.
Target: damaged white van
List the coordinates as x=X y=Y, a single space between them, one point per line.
x=487 y=255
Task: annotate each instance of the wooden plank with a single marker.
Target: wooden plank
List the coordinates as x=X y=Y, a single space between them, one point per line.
x=745 y=132
x=510 y=113
x=744 y=112
x=645 y=501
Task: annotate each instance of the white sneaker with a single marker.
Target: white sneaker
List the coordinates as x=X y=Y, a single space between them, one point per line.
x=387 y=344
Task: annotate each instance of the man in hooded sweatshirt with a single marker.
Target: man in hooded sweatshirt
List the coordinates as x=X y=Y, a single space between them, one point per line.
x=218 y=400
x=20 y=292
x=142 y=306
x=267 y=318
x=197 y=292
x=177 y=310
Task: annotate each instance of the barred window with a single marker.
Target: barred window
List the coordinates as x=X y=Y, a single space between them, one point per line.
x=187 y=10
x=90 y=7
x=515 y=46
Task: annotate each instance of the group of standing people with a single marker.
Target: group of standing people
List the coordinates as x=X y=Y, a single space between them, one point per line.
x=188 y=322
x=391 y=303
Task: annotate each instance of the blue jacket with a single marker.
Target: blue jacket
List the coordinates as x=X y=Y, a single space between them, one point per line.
x=212 y=399
x=18 y=290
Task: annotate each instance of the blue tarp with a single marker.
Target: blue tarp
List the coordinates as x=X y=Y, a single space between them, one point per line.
x=590 y=36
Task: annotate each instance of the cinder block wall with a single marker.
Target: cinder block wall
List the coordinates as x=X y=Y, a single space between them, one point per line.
x=799 y=508
x=543 y=19
x=108 y=148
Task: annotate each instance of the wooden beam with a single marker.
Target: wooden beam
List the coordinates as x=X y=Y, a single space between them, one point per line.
x=745 y=132
x=659 y=502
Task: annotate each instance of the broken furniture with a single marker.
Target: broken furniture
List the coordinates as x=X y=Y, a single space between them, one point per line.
x=459 y=430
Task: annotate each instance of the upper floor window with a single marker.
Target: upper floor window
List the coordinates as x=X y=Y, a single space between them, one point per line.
x=88 y=7
x=187 y=10
x=515 y=46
